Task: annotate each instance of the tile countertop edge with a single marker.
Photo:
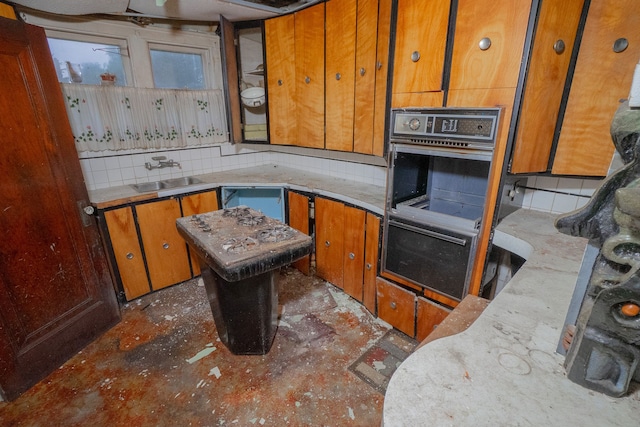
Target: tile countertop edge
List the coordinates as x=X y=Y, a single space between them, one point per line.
x=503 y=370
x=360 y=194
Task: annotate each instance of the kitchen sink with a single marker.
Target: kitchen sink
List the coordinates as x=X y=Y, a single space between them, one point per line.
x=145 y=187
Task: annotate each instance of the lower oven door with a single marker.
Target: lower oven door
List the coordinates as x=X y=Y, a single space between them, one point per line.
x=432 y=256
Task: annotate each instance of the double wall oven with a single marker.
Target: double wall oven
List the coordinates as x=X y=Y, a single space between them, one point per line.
x=439 y=168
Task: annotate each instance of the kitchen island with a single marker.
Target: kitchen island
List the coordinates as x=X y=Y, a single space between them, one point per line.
x=504 y=370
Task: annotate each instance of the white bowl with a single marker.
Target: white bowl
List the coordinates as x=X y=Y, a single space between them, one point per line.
x=253 y=96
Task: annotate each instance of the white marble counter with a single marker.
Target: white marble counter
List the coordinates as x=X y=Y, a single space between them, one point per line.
x=369 y=197
x=503 y=370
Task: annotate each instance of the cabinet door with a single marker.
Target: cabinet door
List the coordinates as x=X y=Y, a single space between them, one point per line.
x=544 y=86
x=165 y=250
x=340 y=39
x=397 y=307
x=421 y=38
x=299 y=219
x=281 y=81
x=353 y=257
x=601 y=78
x=430 y=315
x=126 y=250
x=309 y=63
x=196 y=204
x=500 y=23
x=382 y=73
x=330 y=237
x=372 y=243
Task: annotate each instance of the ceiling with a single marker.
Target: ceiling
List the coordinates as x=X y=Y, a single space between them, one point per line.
x=185 y=10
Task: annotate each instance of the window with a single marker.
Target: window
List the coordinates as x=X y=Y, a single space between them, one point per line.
x=177 y=70
x=84 y=62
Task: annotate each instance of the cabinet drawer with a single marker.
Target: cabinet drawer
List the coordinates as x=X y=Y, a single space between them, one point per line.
x=396 y=306
x=430 y=315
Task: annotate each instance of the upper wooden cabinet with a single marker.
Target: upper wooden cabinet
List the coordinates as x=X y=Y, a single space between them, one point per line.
x=555 y=34
x=609 y=50
x=420 y=46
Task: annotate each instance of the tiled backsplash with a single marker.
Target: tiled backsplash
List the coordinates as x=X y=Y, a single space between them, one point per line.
x=548 y=194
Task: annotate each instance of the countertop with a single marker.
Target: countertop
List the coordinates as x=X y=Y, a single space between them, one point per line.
x=503 y=370
x=369 y=197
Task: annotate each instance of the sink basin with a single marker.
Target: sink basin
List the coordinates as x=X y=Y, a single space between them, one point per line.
x=164 y=184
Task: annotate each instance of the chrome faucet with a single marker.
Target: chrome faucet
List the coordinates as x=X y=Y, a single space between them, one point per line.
x=162 y=163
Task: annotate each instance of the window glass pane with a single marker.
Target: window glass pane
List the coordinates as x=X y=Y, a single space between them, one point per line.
x=177 y=70
x=83 y=62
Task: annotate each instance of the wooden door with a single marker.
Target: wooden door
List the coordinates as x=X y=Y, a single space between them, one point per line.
x=420 y=45
x=503 y=24
x=196 y=204
x=372 y=244
x=353 y=255
x=164 y=249
x=544 y=86
x=281 y=81
x=382 y=73
x=309 y=62
x=127 y=252
x=56 y=293
x=365 y=76
x=340 y=42
x=299 y=219
x=330 y=228
x=232 y=80
x=397 y=306
x=601 y=78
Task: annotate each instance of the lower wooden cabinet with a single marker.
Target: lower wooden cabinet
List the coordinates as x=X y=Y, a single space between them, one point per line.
x=429 y=316
x=299 y=219
x=197 y=204
x=397 y=306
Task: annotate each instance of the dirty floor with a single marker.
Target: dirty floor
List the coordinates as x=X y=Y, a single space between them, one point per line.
x=163 y=365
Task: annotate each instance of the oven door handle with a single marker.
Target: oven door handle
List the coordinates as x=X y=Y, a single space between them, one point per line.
x=430 y=233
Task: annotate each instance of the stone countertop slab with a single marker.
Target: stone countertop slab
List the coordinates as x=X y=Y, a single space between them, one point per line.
x=503 y=370
x=366 y=196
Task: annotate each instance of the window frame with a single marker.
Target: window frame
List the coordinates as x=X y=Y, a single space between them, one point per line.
x=173 y=48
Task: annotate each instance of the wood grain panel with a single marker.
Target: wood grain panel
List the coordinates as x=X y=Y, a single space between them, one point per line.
x=165 y=250
x=354 y=230
x=371 y=256
x=418 y=99
x=601 y=78
x=329 y=240
x=197 y=204
x=382 y=73
x=230 y=65
x=422 y=28
x=126 y=249
x=365 y=76
x=396 y=306
x=309 y=61
x=299 y=219
x=504 y=22
x=558 y=20
x=340 y=42
x=430 y=315
x=281 y=82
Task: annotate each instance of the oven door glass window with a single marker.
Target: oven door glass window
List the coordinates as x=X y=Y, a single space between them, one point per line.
x=430 y=256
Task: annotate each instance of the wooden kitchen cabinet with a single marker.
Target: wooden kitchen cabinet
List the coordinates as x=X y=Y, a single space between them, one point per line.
x=371 y=256
x=602 y=76
x=196 y=204
x=419 y=58
x=397 y=306
x=127 y=252
x=165 y=250
x=299 y=219
x=330 y=228
x=551 y=50
x=429 y=316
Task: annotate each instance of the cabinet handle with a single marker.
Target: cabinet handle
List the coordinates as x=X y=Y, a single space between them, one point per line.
x=352 y=255
x=362 y=71
x=485 y=43
x=307 y=80
x=379 y=65
x=393 y=305
x=327 y=243
x=129 y=255
x=559 y=46
x=338 y=76
x=415 y=56
x=280 y=82
x=165 y=246
x=620 y=45
x=368 y=266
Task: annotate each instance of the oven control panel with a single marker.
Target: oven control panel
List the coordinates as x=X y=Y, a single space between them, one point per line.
x=455 y=127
